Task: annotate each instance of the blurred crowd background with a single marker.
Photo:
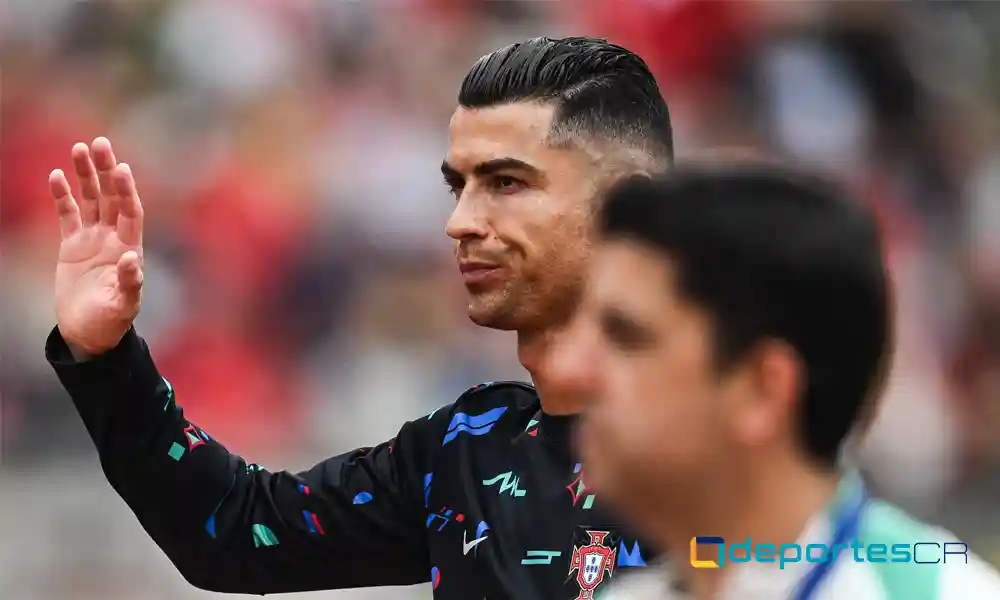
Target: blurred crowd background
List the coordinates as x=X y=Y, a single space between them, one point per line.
x=300 y=292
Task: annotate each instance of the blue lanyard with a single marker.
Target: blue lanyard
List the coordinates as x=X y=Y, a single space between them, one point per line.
x=846 y=528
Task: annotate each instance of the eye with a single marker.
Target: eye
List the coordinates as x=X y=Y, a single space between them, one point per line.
x=623 y=333
x=455 y=187
x=505 y=184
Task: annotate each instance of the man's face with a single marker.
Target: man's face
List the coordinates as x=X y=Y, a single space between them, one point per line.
x=641 y=359
x=522 y=218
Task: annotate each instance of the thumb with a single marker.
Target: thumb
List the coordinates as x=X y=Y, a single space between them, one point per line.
x=130 y=277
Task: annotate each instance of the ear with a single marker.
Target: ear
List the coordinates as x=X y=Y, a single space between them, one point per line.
x=772 y=384
x=781 y=377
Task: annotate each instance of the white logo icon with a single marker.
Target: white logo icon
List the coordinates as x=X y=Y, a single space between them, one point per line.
x=466 y=546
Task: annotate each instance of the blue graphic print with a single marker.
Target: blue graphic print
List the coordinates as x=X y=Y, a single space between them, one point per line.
x=472 y=424
x=630 y=559
x=483 y=526
x=210 y=524
x=446 y=515
x=312 y=522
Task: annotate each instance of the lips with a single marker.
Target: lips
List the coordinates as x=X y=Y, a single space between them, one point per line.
x=472 y=266
x=474 y=273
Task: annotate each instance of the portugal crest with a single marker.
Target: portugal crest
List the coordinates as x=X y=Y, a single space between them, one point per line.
x=591 y=562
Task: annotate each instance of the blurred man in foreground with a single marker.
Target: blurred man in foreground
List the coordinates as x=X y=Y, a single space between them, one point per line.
x=483 y=497
x=736 y=324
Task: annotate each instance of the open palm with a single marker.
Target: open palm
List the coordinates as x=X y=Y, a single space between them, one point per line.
x=99 y=272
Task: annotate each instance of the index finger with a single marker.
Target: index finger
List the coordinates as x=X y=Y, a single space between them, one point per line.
x=66 y=206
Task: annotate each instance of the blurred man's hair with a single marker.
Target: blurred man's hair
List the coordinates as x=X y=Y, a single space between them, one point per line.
x=774 y=254
x=602 y=92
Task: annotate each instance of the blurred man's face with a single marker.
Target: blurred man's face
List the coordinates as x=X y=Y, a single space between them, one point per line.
x=522 y=215
x=640 y=356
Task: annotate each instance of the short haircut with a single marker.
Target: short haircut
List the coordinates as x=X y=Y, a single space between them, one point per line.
x=601 y=91
x=772 y=253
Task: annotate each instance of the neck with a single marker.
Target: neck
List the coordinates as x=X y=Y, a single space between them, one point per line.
x=765 y=500
x=533 y=349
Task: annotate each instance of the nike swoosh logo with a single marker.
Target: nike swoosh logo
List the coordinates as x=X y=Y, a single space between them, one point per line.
x=466 y=546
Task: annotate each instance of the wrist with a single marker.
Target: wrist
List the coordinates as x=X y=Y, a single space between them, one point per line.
x=78 y=353
x=82 y=352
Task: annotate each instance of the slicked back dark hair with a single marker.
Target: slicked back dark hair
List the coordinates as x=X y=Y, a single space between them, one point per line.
x=772 y=253
x=601 y=91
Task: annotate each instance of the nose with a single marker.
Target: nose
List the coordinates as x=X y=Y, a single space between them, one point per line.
x=465 y=221
x=572 y=366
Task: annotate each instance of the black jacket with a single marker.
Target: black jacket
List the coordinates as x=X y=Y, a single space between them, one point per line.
x=482 y=498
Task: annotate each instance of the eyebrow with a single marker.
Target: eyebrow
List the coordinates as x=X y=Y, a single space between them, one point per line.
x=490 y=167
x=615 y=318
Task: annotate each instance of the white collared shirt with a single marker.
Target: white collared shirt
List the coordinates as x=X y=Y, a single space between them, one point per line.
x=881 y=523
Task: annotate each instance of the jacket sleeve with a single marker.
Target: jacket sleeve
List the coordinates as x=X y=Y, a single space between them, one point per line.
x=354 y=520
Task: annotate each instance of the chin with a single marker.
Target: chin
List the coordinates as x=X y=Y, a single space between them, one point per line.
x=602 y=464
x=491 y=312
x=491 y=320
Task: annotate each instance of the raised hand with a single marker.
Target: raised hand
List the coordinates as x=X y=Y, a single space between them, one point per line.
x=99 y=272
